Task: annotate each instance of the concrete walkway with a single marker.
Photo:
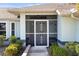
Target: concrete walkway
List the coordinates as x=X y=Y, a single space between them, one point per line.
x=38 y=51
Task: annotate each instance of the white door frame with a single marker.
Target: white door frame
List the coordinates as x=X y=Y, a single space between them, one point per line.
x=47 y=21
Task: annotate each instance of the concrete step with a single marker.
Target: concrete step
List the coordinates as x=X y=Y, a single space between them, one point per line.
x=38 y=51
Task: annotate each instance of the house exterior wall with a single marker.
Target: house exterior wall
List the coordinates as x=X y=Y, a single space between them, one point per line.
x=59 y=36
x=77 y=30
x=66 y=29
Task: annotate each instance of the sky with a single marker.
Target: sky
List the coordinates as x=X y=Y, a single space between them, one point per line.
x=16 y=5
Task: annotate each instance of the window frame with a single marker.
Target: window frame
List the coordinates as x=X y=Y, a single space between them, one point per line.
x=5 y=26
x=11 y=28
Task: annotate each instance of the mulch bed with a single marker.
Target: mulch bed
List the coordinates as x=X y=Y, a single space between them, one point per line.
x=21 y=51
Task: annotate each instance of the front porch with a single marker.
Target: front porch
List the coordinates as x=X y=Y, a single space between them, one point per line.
x=41 y=31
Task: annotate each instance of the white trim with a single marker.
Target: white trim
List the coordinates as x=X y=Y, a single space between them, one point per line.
x=58 y=12
x=73 y=10
x=34 y=33
x=47 y=33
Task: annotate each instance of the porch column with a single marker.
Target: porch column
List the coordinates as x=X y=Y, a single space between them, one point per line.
x=7 y=29
x=22 y=27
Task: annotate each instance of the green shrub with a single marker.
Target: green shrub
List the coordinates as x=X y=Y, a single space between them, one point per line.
x=16 y=45
x=70 y=47
x=55 y=50
x=11 y=50
x=19 y=42
x=13 y=39
x=77 y=49
x=2 y=38
x=14 y=48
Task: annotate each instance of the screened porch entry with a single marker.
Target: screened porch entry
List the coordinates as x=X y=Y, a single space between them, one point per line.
x=41 y=30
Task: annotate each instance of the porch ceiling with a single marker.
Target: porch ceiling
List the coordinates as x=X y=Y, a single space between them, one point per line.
x=4 y=14
x=18 y=11
x=64 y=9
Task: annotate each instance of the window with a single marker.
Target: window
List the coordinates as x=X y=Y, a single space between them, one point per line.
x=30 y=32
x=12 y=28
x=52 y=26
x=52 y=30
x=3 y=29
x=29 y=26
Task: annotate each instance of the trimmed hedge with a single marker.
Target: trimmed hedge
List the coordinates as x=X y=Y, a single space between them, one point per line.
x=55 y=50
